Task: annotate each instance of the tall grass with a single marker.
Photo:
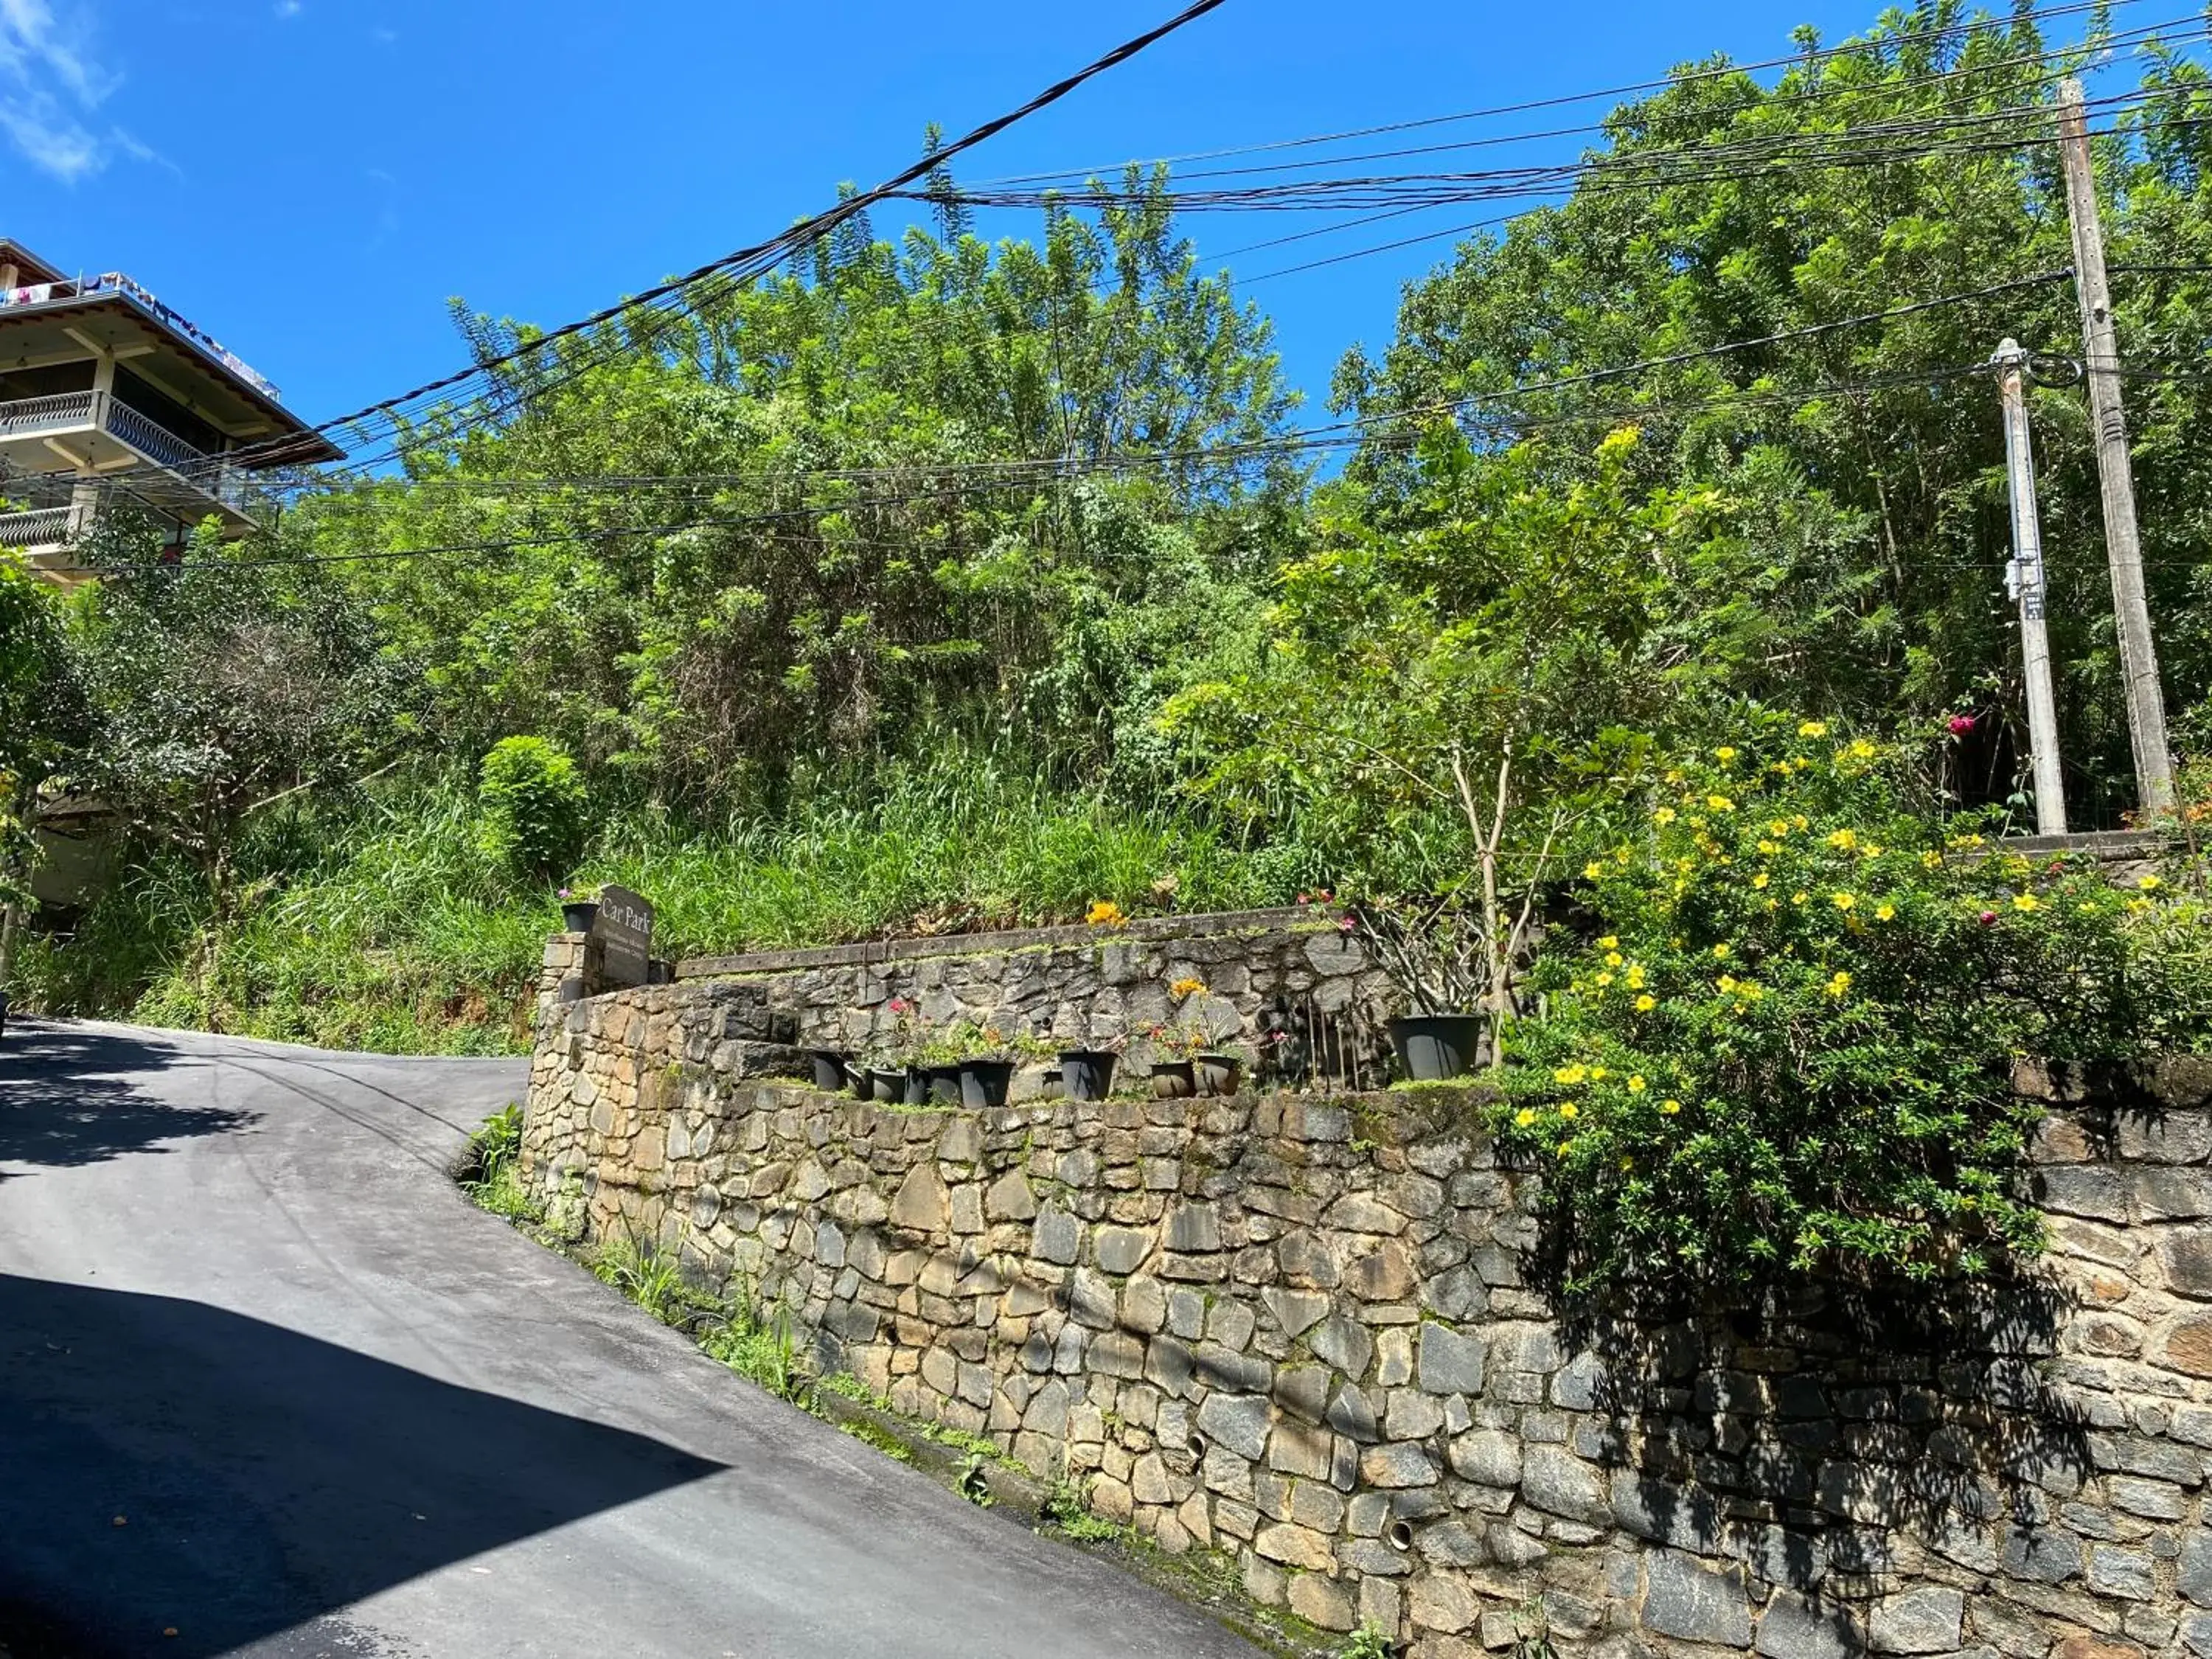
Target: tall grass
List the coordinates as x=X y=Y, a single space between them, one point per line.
x=392 y=930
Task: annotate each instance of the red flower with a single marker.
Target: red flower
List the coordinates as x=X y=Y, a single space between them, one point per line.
x=1305 y=898
x=1989 y=918
x=1960 y=725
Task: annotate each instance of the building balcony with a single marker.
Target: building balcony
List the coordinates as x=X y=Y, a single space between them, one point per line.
x=75 y=432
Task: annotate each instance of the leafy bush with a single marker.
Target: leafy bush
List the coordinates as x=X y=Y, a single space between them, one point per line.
x=1789 y=1044
x=532 y=801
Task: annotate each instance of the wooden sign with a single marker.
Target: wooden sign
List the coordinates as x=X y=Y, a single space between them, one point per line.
x=624 y=930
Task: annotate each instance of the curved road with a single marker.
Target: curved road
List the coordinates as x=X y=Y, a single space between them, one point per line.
x=269 y=1386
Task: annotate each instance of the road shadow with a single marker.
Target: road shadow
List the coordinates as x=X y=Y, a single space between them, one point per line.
x=70 y=1097
x=266 y=1480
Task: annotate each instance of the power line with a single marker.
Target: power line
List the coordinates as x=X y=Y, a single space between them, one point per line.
x=1853 y=47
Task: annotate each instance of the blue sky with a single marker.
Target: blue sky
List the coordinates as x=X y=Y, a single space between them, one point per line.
x=309 y=179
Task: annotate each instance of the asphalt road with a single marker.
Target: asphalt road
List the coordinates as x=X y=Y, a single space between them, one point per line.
x=270 y=1387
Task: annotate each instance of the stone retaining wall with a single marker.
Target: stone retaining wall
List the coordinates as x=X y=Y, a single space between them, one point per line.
x=1294 y=989
x=1304 y=1331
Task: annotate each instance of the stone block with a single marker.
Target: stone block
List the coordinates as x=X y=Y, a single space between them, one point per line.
x=1397 y=1465
x=1057 y=1236
x=1236 y=1422
x=1009 y=1199
x=2126 y=1574
x=1294 y=1545
x=1686 y=1599
x=1919 y=1621
x=2096 y=1191
x=1122 y=1249
x=2188 y=1345
x=2174 y=1194
x=1797 y=1627
x=1490 y=1457
x=2042 y=1555
x=1318 y=1602
x=2182 y=1136
x=2185 y=1256
x=1343 y=1343
x=1384 y=1274
x=1553 y=1480
x=1450 y=1362
x=1192 y=1229
x=924 y=1204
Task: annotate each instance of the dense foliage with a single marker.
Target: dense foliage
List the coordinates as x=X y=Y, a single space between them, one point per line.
x=1789 y=1042
x=943 y=582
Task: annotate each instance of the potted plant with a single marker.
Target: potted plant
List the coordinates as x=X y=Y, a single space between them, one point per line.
x=1088 y=1073
x=830 y=1073
x=895 y=1072
x=580 y=909
x=986 y=1064
x=1437 y=958
x=937 y=1062
x=1190 y=1055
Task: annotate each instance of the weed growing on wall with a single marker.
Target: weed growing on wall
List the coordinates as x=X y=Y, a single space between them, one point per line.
x=1786 y=1042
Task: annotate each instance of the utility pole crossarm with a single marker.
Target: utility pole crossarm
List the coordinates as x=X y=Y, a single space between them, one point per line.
x=2123 y=537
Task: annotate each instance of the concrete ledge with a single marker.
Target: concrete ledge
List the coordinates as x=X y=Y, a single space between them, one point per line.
x=2098 y=843
x=1201 y=926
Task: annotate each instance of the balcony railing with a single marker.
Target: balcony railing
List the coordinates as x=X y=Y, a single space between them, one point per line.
x=114 y=282
x=73 y=411
x=68 y=411
x=153 y=441
x=47 y=527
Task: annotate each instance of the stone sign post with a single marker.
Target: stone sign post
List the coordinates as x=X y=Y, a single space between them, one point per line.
x=624 y=931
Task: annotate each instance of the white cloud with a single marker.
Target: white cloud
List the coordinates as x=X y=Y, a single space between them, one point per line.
x=52 y=87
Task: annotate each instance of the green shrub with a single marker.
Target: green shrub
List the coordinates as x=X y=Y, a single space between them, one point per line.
x=1789 y=1044
x=533 y=805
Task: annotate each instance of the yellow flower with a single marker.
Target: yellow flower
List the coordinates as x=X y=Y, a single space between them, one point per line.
x=1799 y=898
x=1665 y=815
x=1862 y=749
x=1187 y=987
x=1635 y=981
x=1931 y=861
x=1802 y=821
x=1569 y=1110
x=1645 y=1004
x=1613 y=958
x=1770 y=848
x=1593 y=869
x=1720 y=953
x=1813 y=729
x=1604 y=979
x=1524 y=1117
x=1843 y=840
x=1779 y=827
x=1800 y=763
x=1598 y=1073
x=1636 y=1086
x=1566 y=1146
x=1751 y=990
x=1569 y=1074
x=1610 y=942
x=1720 y=803
x=2148 y=883
x=1966 y=841
x=1841 y=901
x=1726 y=981
x=2027 y=901
x=1672 y=1107
x=1760 y=880
x=2136 y=907
x=1106 y=913
x=1723 y=754
x=1840 y=983
x=1885 y=912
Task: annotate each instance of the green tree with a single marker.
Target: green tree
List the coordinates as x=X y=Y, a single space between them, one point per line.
x=533 y=806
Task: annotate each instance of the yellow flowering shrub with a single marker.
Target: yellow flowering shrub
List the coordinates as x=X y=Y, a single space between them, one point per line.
x=1839 y=1096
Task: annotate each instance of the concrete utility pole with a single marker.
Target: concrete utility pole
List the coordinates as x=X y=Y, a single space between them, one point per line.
x=2024 y=575
x=2123 y=542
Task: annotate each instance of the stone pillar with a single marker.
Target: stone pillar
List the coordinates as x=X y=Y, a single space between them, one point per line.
x=567 y=955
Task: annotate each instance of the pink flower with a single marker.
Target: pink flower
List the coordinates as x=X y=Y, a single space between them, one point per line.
x=1305 y=898
x=1347 y=924
x=1989 y=918
x=898 y=1005
x=1960 y=725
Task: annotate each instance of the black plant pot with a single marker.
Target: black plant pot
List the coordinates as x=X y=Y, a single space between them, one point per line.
x=943 y=1085
x=886 y=1088
x=914 y=1089
x=1086 y=1074
x=1172 y=1079
x=860 y=1080
x=983 y=1083
x=1218 y=1074
x=828 y=1070
x=579 y=917
x=1432 y=1047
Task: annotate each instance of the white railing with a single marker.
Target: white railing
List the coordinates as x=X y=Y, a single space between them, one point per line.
x=47 y=527
x=31 y=415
